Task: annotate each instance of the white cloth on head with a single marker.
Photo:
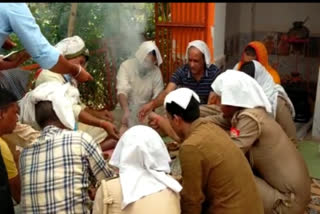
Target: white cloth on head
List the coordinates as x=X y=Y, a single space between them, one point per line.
x=62 y=96
x=138 y=84
x=145 y=48
x=240 y=90
x=265 y=80
x=201 y=46
x=138 y=89
x=282 y=93
x=272 y=90
x=72 y=47
x=143 y=162
x=181 y=96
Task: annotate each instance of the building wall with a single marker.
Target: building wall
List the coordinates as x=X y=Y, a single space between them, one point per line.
x=254 y=21
x=280 y=16
x=232 y=19
x=219 y=31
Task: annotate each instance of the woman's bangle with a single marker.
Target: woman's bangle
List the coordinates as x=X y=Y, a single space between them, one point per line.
x=78 y=72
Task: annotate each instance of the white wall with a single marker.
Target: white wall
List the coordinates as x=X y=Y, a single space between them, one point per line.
x=280 y=16
x=316 y=116
x=219 y=30
x=271 y=17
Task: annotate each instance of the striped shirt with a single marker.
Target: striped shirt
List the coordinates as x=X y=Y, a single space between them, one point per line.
x=56 y=169
x=183 y=78
x=15 y=80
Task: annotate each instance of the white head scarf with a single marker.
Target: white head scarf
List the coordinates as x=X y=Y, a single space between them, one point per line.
x=272 y=90
x=202 y=46
x=143 y=162
x=265 y=80
x=181 y=96
x=62 y=96
x=240 y=90
x=145 y=48
x=282 y=93
x=72 y=47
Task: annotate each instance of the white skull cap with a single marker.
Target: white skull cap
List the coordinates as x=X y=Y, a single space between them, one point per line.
x=181 y=96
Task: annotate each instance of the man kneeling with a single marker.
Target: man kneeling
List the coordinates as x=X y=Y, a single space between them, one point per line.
x=216 y=175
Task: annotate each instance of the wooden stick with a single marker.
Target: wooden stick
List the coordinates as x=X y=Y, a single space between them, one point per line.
x=72 y=18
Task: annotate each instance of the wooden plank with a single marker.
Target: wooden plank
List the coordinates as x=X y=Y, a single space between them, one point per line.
x=315 y=189
x=316 y=183
x=313 y=185
x=315 y=193
x=314 y=207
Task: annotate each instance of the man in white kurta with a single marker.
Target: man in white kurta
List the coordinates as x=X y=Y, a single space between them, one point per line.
x=139 y=80
x=74 y=49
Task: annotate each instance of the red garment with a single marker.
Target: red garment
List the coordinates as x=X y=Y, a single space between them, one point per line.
x=37 y=73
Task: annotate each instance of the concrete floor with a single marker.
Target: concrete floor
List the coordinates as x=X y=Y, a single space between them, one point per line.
x=304 y=131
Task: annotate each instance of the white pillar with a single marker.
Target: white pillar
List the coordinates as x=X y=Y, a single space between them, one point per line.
x=218 y=33
x=316 y=116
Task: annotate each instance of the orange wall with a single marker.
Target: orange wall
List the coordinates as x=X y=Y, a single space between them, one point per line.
x=210 y=24
x=192 y=14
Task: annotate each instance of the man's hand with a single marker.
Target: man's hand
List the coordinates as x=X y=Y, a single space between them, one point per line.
x=124 y=122
x=123 y=129
x=6 y=64
x=144 y=111
x=154 y=119
x=110 y=128
x=125 y=119
x=162 y=126
x=8 y=44
x=83 y=76
x=101 y=114
x=106 y=115
x=108 y=143
x=214 y=99
x=92 y=192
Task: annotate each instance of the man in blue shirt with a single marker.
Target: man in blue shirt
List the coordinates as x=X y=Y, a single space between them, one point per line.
x=17 y=18
x=197 y=75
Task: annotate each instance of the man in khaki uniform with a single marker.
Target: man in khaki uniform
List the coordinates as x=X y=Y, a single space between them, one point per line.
x=284 y=114
x=216 y=175
x=282 y=176
x=282 y=107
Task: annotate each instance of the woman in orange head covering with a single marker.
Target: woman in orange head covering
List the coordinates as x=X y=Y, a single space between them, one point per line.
x=257 y=51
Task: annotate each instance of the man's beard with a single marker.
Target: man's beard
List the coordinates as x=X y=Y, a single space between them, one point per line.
x=145 y=69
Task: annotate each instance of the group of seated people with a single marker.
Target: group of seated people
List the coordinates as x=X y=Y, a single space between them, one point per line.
x=234 y=129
